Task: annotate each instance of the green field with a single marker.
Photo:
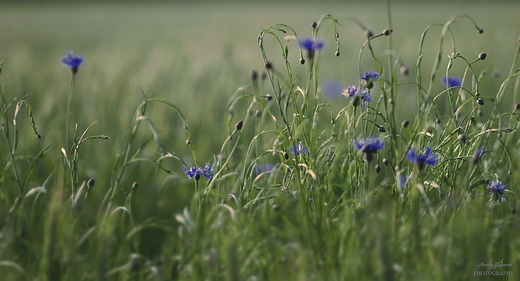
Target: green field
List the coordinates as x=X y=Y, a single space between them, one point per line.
x=164 y=86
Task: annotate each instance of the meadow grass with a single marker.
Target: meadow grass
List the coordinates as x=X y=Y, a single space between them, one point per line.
x=203 y=142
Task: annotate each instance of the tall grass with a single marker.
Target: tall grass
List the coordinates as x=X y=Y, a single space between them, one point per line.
x=280 y=179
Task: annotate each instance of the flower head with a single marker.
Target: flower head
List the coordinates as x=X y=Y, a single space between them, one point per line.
x=451 y=81
x=192 y=172
x=363 y=97
x=71 y=61
x=422 y=158
x=496 y=189
x=350 y=91
x=195 y=172
x=299 y=149
x=368 y=146
x=370 y=75
x=310 y=44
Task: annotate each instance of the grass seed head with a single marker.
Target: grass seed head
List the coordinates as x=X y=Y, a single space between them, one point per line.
x=239 y=125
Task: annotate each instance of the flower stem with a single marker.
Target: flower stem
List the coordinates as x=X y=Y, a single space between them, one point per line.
x=68 y=116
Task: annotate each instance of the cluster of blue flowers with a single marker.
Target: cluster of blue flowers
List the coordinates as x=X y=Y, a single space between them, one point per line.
x=367 y=146
x=362 y=96
x=195 y=172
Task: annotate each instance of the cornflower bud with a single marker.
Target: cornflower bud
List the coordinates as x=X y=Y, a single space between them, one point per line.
x=238 y=125
x=404 y=70
x=462 y=138
x=253 y=75
x=369 y=33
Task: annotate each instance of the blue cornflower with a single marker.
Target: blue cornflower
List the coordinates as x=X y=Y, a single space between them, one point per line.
x=299 y=149
x=477 y=155
x=192 y=172
x=370 y=75
x=363 y=97
x=496 y=189
x=366 y=97
x=195 y=172
x=368 y=146
x=310 y=45
x=451 y=81
x=424 y=158
x=350 y=91
x=71 y=61
x=369 y=78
